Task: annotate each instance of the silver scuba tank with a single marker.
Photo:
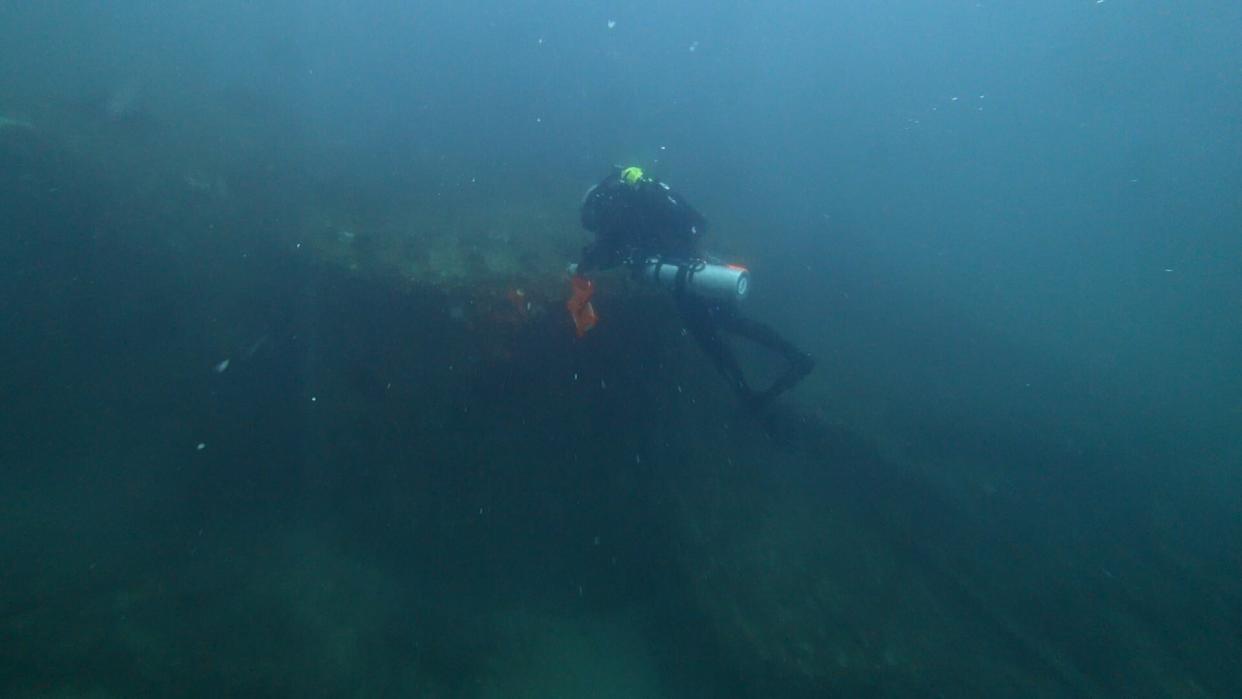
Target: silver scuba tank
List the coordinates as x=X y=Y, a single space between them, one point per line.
x=727 y=283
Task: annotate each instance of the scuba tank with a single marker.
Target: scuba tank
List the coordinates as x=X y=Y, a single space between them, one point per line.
x=725 y=283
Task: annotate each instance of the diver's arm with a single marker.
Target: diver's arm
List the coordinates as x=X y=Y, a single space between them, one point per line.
x=598 y=256
x=597 y=208
x=596 y=201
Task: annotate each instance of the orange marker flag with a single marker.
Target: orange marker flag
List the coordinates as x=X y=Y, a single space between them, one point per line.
x=579 y=305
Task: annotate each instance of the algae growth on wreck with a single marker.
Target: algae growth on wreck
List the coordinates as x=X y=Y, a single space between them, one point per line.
x=292 y=405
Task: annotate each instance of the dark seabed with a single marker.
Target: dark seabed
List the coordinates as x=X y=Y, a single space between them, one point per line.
x=291 y=406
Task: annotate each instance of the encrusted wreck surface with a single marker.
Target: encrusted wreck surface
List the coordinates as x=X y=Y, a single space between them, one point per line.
x=397 y=354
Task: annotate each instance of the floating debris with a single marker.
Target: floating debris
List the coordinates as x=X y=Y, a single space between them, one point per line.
x=11 y=123
x=255 y=347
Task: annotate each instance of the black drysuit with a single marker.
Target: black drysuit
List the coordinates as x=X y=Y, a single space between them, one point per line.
x=635 y=222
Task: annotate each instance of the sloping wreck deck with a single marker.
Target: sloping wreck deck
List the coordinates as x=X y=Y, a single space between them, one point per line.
x=344 y=428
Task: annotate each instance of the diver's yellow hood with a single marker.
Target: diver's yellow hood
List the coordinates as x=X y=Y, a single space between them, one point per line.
x=632 y=176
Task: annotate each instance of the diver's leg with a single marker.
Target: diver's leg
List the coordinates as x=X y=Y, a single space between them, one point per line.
x=799 y=363
x=702 y=324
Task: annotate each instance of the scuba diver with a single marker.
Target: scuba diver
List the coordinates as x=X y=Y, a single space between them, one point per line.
x=641 y=223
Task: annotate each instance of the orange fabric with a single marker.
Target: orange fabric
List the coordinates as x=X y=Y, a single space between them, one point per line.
x=579 y=305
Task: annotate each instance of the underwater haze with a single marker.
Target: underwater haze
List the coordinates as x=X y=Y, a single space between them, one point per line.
x=292 y=406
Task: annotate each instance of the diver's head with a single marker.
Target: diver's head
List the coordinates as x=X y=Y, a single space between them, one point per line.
x=632 y=175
